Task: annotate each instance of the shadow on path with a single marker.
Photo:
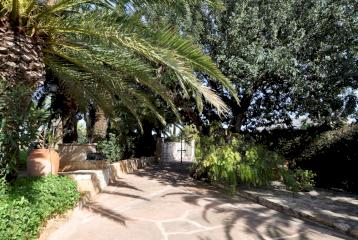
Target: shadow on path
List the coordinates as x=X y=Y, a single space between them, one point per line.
x=108 y=213
x=260 y=221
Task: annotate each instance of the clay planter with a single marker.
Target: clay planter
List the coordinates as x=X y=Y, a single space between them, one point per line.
x=43 y=161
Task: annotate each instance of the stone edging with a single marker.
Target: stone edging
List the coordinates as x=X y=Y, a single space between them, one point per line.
x=296 y=213
x=90 y=183
x=94 y=176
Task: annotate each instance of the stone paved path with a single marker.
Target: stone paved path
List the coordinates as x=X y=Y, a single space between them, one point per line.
x=162 y=202
x=335 y=209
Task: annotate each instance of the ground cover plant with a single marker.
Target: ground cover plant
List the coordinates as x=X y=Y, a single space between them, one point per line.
x=26 y=204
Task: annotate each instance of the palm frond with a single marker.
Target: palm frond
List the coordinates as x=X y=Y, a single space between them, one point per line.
x=179 y=55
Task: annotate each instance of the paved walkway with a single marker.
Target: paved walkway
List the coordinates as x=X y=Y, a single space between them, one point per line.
x=334 y=209
x=164 y=203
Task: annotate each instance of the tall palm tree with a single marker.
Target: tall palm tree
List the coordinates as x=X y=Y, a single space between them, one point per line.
x=103 y=52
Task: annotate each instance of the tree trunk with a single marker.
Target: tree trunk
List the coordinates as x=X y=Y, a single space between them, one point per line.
x=147 y=142
x=97 y=124
x=67 y=108
x=100 y=125
x=240 y=112
x=21 y=68
x=21 y=58
x=70 y=129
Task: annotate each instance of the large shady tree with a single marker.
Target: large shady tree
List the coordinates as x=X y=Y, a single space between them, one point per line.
x=285 y=57
x=99 y=52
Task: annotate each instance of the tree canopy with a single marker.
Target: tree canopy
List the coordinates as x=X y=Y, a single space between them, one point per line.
x=286 y=58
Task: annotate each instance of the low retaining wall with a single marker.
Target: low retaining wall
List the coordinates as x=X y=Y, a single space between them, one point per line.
x=70 y=152
x=92 y=176
x=128 y=166
x=84 y=165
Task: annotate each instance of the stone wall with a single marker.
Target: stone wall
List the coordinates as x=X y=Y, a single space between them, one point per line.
x=92 y=176
x=84 y=165
x=129 y=166
x=73 y=152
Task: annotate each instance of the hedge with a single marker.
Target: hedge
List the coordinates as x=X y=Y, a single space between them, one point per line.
x=27 y=203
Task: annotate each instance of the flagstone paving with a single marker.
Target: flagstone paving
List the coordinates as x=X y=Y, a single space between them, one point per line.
x=163 y=202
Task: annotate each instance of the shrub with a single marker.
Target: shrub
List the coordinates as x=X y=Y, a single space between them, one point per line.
x=111 y=148
x=331 y=154
x=231 y=161
x=222 y=165
x=29 y=202
x=305 y=179
x=260 y=166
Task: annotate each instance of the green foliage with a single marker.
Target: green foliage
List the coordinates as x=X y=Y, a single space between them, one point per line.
x=299 y=180
x=23 y=156
x=3 y=186
x=304 y=179
x=289 y=180
x=29 y=202
x=330 y=153
x=82 y=134
x=229 y=160
x=189 y=132
x=222 y=164
x=330 y=140
x=285 y=57
x=19 y=121
x=111 y=148
x=113 y=56
x=103 y=52
x=261 y=166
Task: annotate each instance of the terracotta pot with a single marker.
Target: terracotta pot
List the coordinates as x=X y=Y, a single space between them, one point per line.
x=41 y=162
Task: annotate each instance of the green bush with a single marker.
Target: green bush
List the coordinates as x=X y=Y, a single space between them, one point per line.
x=230 y=161
x=304 y=179
x=111 y=148
x=260 y=166
x=329 y=153
x=222 y=165
x=29 y=202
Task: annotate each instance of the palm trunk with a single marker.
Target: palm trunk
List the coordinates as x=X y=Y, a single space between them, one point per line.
x=68 y=108
x=100 y=125
x=21 y=58
x=97 y=124
x=21 y=70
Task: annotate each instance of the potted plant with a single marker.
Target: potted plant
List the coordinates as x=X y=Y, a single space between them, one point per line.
x=44 y=159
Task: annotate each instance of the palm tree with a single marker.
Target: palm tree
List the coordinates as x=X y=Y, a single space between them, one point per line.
x=102 y=53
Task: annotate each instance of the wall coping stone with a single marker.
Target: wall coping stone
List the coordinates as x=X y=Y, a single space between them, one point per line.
x=93 y=181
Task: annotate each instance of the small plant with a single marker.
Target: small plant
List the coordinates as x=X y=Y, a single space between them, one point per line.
x=289 y=180
x=47 y=138
x=304 y=179
x=111 y=148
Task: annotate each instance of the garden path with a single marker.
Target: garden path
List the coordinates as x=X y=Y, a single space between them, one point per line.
x=163 y=202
